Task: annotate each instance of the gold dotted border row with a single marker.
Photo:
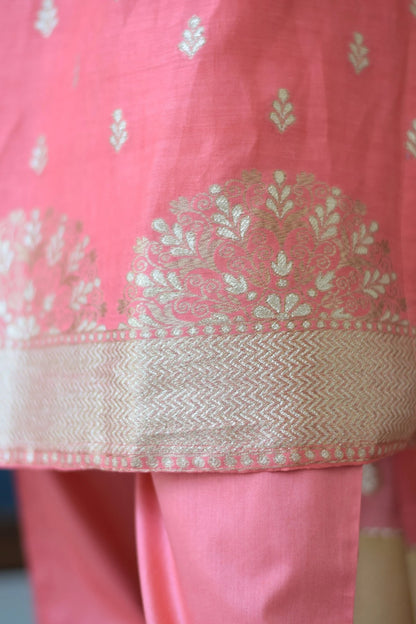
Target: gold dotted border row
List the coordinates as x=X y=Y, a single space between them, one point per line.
x=244 y=462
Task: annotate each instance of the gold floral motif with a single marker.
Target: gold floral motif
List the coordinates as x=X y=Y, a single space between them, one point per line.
x=412 y=7
x=358 y=53
x=47 y=18
x=282 y=115
x=48 y=281
x=193 y=37
x=271 y=250
x=119 y=133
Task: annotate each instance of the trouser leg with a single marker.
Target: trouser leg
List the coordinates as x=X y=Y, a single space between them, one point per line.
x=243 y=548
x=78 y=530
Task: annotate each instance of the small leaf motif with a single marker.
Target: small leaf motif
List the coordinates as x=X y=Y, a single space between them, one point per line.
x=236 y=285
x=193 y=37
x=39 y=156
x=375 y=283
x=32 y=230
x=282 y=115
x=160 y=225
x=233 y=224
x=363 y=238
x=180 y=243
x=325 y=221
x=119 y=130
x=283 y=308
x=164 y=288
x=412 y=7
x=323 y=282
x=53 y=251
x=80 y=294
x=142 y=280
x=47 y=18
x=389 y=316
x=358 y=55
x=282 y=267
x=411 y=135
x=76 y=255
x=279 y=202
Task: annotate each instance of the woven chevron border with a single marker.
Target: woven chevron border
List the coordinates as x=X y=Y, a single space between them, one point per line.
x=274 y=400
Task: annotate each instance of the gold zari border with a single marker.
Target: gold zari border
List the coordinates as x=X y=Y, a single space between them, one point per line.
x=235 y=402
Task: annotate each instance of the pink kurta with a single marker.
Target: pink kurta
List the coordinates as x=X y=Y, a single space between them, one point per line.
x=207 y=234
x=207 y=264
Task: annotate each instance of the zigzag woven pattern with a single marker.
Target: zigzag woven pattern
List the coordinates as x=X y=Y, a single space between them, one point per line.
x=205 y=402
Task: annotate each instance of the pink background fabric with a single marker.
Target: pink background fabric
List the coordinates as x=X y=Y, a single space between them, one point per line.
x=262 y=547
x=192 y=121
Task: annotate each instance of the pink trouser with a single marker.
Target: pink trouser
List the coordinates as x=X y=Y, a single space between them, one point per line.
x=192 y=548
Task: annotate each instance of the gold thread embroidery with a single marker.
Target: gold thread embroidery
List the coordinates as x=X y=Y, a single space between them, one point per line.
x=39 y=156
x=47 y=18
x=212 y=388
x=119 y=130
x=411 y=139
x=259 y=250
x=48 y=281
x=193 y=37
x=236 y=397
x=282 y=115
x=358 y=55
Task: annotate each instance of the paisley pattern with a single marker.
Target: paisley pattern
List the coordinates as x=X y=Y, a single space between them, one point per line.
x=48 y=280
x=272 y=251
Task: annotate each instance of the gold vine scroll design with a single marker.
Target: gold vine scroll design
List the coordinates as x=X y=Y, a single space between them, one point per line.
x=251 y=251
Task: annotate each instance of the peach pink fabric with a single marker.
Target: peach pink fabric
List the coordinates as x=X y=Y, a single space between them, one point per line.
x=207 y=261
x=263 y=547
x=207 y=234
